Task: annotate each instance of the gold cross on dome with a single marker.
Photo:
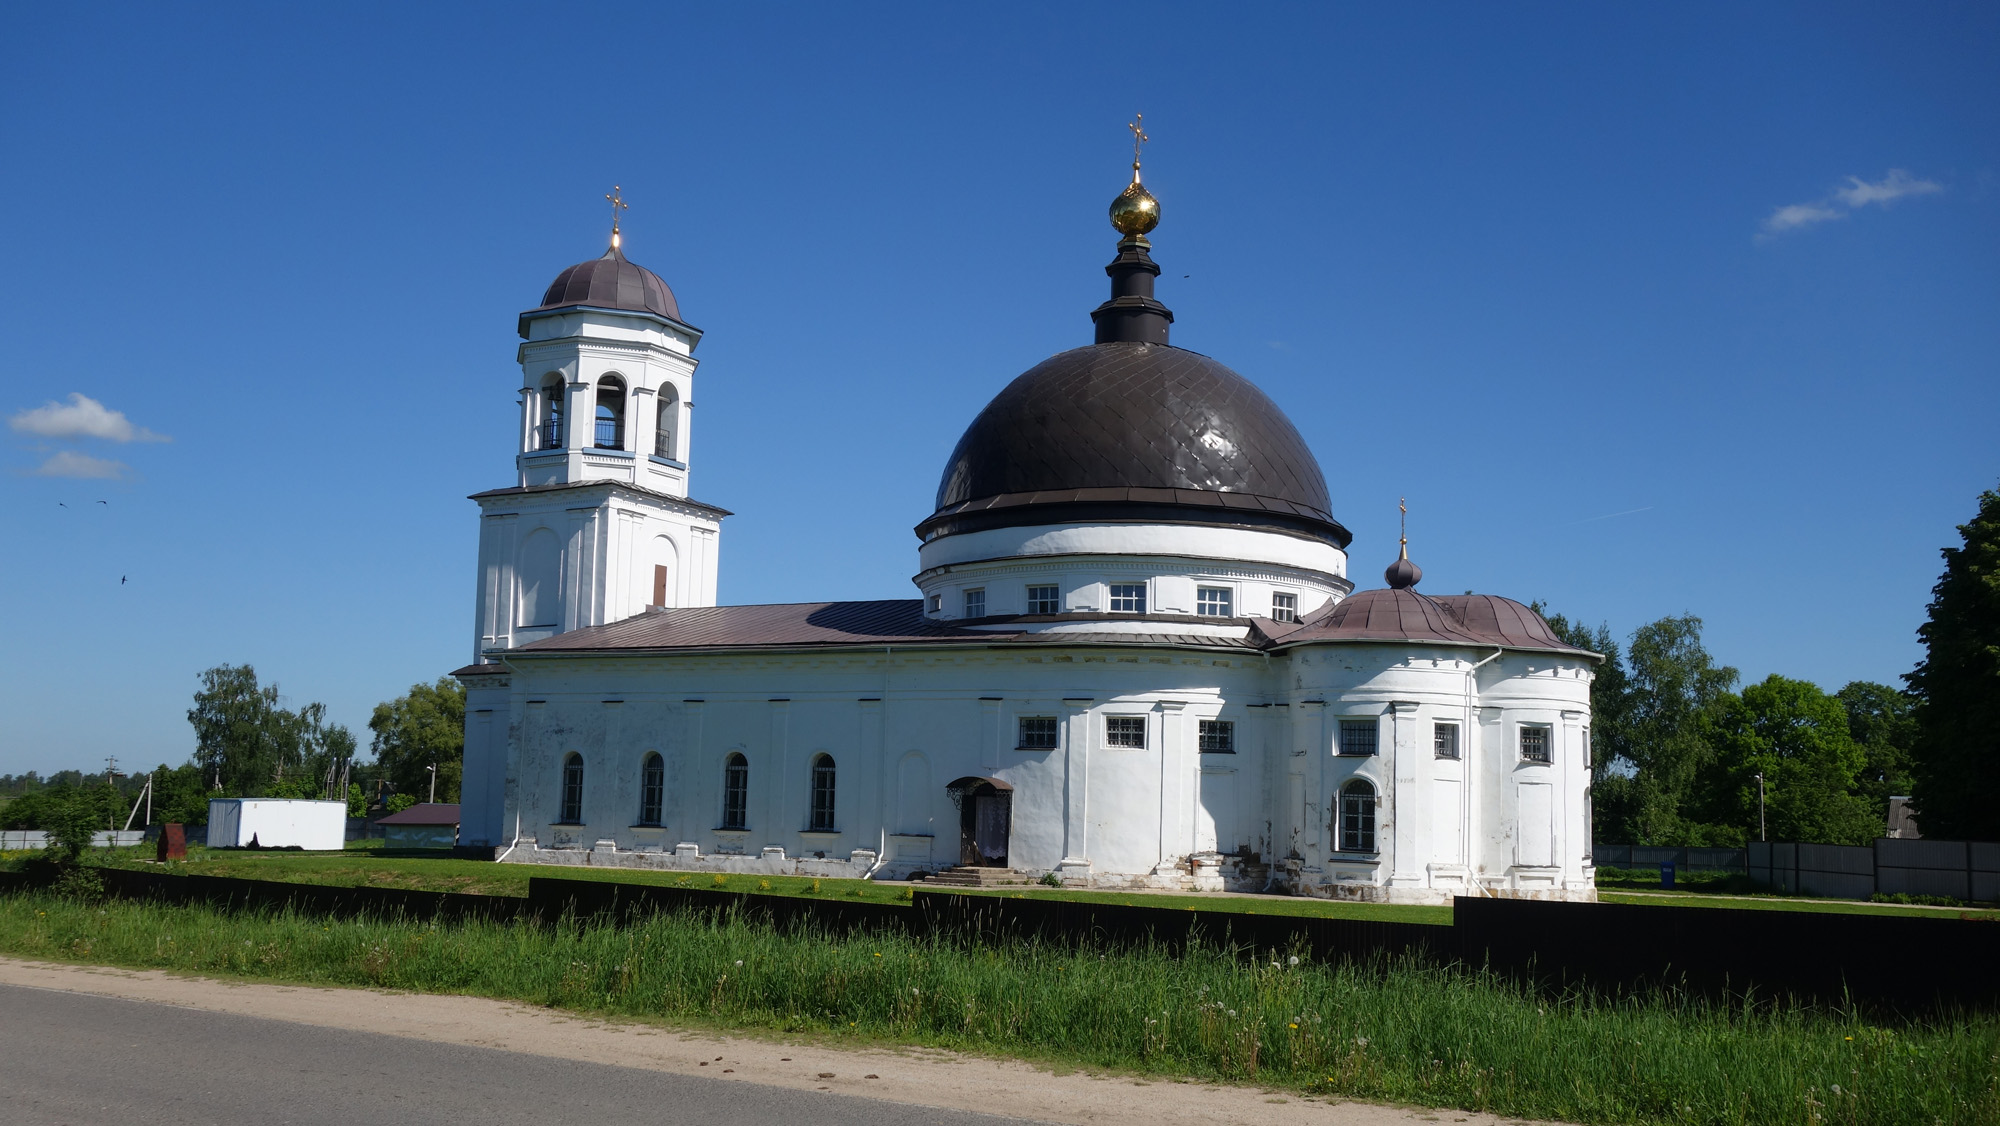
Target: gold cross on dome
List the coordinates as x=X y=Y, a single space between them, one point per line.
x=617 y=204
x=1403 y=507
x=1138 y=137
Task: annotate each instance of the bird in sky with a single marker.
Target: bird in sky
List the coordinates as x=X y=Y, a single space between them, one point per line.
x=104 y=502
x=60 y=504
x=121 y=580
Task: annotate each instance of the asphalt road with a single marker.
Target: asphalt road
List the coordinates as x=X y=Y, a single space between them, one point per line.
x=72 y=1060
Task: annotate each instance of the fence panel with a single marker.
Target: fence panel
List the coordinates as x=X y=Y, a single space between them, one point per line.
x=1920 y=867
x=1985 y=862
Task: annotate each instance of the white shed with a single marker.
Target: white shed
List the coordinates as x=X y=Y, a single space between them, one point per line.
x=277 y=823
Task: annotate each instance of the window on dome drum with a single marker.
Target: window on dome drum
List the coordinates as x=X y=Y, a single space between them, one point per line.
x=1218 y=737
x=663 y=429
x=822 y=794
x=1534 y=743
x=1284 y=607
x=975 y=603
x=1357 y=816
x=1038 y=733
x=736 y=792
x=1125 y=731
x=1128 y=598
x=610 y=413
x=1357 y=736
x=937 y=603
x=572 y=790
x=1213 y=602
x=652 y=789
x=1044 y=600
x=1444 y=740
x=552 y=415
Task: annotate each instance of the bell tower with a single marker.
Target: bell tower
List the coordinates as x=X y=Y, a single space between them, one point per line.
x=598 y=525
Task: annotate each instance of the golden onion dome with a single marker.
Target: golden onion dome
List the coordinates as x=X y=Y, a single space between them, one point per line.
x=1135 y=211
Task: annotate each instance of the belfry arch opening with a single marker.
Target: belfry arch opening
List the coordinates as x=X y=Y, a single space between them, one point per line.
x=610 y=413
x=985 y=820
x=666 y=437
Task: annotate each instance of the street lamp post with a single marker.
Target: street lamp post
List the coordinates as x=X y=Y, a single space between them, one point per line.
x=1760 y=807
x=434 y=781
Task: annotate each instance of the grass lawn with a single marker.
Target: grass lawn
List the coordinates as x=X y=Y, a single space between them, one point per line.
x=1392 y=1030
x=367 y=863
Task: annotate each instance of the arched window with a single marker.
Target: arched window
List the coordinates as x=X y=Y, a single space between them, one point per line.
x=1357 y=816
x=652 y=788
x=610 y=413
x=552 y=413
x=572 y=794
x=822 y=803
x=664 y=439
x=736 y=792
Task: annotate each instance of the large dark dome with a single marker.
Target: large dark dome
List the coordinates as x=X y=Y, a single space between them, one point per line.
x=1123 y=430
x=611 y=282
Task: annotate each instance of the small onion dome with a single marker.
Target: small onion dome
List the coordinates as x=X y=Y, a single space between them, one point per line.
x=1135 y=211
x=1403 y=574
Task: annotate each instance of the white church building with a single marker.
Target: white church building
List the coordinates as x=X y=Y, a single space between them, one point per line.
x=1134 y=657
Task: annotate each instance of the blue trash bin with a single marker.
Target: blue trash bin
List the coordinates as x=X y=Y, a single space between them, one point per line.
x=1666 y=875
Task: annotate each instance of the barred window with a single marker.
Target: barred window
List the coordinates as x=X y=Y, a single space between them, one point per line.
x=736 y=792
x=1534 y=743
x=1213 y=602
x=822 y=794
x=1357 y=736
x=1284 y=607
x=1218 y=737
x=1038 y=732
x=1128 y=598
x=572 y=789
x=1044 y=600
x=1444 y=739
x=1357 y=817
x=1125 y=731
x=975 y=603
x=652 y=789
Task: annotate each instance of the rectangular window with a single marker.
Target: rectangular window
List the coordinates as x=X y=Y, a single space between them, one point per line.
x=1444 y=739
x=1284 y=607
x=1588 y=764
x=1125 y=731
x=1128 y=598
x=937 y=603
x=1357 y=736
x=1044 y=600
x=1213 y=602
x=1038 y=733
x=975 y=603
x=1534 y=743
x=1218 y=737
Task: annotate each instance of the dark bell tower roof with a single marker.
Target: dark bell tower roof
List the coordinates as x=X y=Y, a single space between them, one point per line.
x=612 y=282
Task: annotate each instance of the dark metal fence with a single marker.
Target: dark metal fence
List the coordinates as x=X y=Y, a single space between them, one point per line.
x=1683 y=859
x=1903 y=962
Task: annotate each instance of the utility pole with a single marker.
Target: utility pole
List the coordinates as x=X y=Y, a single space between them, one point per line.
x=434 y=782
x=1760 y=807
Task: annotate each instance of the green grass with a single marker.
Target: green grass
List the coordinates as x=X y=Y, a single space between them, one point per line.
x=1392 y=1031
x=368 y=863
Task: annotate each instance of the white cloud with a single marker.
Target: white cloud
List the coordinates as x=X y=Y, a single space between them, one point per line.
x=69 y=463
x=1793 y=216
x=1894 y=186
x=82 y=417
x=1843 y=201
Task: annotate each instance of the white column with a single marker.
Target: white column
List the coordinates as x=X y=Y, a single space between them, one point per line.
x=1405 y=864
x=989 y=733
x=785 y=824
x=1076 y=780
x=1308 y=725
x=1175 y=770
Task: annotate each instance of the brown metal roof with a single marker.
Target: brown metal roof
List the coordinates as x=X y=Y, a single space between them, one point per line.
x=1404 y=615
x=610 y=282
x=895 y=621
x=424 y=813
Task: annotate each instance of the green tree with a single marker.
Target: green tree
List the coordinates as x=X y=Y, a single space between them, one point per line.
x=1673 y=688
x=414 y=731
x=1797 y=737
x=247 y=745
x=1883 y=722
x=1956 y=755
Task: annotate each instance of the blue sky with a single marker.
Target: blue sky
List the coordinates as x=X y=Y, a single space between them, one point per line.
x=1647 y=310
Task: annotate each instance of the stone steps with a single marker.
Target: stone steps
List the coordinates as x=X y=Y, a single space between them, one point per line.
x=967 y=877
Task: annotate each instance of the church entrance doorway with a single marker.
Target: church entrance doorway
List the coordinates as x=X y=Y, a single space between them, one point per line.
x=985 y=817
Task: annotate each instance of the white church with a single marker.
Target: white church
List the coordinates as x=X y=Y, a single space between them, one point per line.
x=1134 y=657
